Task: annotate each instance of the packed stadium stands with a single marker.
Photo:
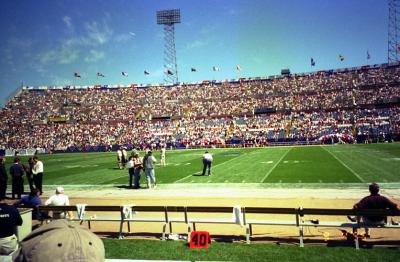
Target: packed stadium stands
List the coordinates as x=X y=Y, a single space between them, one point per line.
x=356 y=104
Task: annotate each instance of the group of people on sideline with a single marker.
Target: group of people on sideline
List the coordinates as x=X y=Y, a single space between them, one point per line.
x=33 y=171
x=135 y=166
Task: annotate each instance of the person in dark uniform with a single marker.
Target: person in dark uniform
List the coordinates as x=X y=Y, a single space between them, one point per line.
x=17 y=173
x=9 y=219
x=28 y=171
x=3 y=178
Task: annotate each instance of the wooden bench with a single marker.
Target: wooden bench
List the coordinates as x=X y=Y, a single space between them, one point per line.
x=168 y=215
x=355 y=226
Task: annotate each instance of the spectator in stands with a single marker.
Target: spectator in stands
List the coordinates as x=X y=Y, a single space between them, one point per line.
x=207 y=163
x=61 y=240
x=17 y=172
x=32 y=201
x=9 y=219
x=37 y=172
x=59 y=199
x=3 y=178
x=149 y=162
x=374 y=201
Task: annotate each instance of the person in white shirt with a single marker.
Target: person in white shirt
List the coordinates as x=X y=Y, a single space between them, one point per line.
x=37 y=172
x=149 y=162
x=207 y=162
x=131 y=170
x=59 y=199
x=163 y=151
x=124 y=157
x=119 y=158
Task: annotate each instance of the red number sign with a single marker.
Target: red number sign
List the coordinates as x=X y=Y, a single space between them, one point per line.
x=199 y=239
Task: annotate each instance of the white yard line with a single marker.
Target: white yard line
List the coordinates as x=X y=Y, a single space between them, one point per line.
x=179 y=180
x=270 y=171
x=346 y=166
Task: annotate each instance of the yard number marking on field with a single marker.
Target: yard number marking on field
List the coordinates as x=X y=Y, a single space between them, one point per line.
x=270 y=171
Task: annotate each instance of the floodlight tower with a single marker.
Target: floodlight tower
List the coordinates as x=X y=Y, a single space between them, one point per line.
x=169 y=18
x=394 y=31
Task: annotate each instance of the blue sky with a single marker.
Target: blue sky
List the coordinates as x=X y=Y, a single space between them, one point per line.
x=44 y=42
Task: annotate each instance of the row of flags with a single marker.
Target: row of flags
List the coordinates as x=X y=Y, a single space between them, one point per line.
x=340 y=57
x=169 y=72
x=214 y=68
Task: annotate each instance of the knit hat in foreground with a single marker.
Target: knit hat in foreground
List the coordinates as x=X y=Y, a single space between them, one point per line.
x=61 y=240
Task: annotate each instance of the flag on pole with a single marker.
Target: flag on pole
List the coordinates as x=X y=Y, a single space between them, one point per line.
x=100 y=74
x=215 y=68
x=193 y=69
x=238 y=68
x=76 y=74
x=368 y=55
x=124 y=73
x=341 y=58
x=146 y=72
x=312 y=62
x=169 y=72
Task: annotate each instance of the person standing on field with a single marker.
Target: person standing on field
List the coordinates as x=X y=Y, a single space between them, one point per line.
x=131 y=170
x=138 y=165
x=207 y=162
x=3 y=178
x=17 y=172
x=37 y=172
x=163 y=151
x=149 y=162
x=119 y=158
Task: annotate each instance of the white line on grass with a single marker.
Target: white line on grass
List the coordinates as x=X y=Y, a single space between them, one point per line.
x=270 y=171
x=183 y=178
x=346 y=166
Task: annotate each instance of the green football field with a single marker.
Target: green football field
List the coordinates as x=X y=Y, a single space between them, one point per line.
x=296 y=166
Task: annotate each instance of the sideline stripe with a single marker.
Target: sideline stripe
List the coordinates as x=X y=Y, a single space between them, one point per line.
x=270 y=171
x=179 y=180
x=346 y=166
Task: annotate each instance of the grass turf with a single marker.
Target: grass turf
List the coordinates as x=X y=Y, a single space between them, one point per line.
x=275 y=165
x=178 y=250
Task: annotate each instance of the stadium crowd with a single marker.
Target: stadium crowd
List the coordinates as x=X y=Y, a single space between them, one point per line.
x=363 y=103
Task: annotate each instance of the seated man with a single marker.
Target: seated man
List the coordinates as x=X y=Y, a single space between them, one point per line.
x=9 y=220
x=59 y=199
x=33 y=201
x=374 y=201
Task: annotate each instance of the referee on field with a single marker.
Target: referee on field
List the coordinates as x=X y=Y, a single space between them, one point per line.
x=207 y=162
